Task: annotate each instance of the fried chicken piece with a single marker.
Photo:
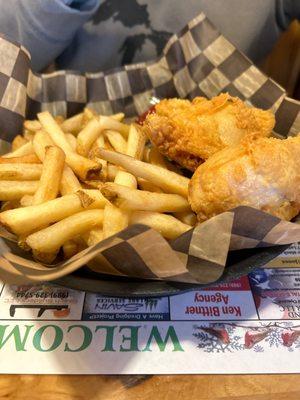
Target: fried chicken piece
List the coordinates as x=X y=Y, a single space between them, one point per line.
x=190 y=132
x=264 y=174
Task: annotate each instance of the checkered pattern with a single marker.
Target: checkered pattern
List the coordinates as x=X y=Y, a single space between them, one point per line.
x=195 y=257
x=196 y=61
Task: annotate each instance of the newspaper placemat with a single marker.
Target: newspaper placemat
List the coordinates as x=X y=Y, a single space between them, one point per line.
x=250 y=325
x=196 y=61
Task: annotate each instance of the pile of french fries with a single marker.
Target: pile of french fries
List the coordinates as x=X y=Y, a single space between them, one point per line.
x=70 y=183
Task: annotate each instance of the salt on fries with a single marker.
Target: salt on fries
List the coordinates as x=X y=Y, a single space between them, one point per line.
x=70 y=183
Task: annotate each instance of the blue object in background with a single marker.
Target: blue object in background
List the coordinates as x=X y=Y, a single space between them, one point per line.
x=93 y=35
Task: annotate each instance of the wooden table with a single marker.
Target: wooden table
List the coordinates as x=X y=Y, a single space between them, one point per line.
x=180 y=387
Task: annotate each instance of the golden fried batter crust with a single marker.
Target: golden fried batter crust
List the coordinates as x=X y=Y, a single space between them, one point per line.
x=190 y=132
x=263 y=174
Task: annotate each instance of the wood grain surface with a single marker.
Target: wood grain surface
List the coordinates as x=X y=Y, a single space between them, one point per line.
x=283 y=63
x=178 y=387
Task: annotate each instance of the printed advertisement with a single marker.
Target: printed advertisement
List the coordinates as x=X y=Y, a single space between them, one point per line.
x=251 y=325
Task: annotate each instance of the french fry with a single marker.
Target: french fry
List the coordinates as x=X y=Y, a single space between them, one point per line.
x=107 y=145
x=32 y=125
x=70 y=248
x=104 y=172
x=88 y=135
x=116 y=140
x=98 y=143
x=80 y=240
x=146 y=154
x=73 y=125
x=167 y=225
x=83 y=167
x=187 y=217
x=40 y=141
x=111 y=123
x=72 y=140
x=45 y=258
x=148 y=186
x=87 y=198
x=105 y=154
x=135 y=143
x=169 y=181
x=28 y=159
x=59 y=119
x=120 y=218
x=118 y=117
x=125 y=179
x=15 y=190
x=28 y=135
x=114 y=219
x=22 y=221
x=88 y=114
x=69 y=182
x=20 y=172
x=26 y=200
x=132 y=199
x=18 y=142
x=24 y=150
x=93 y=184
x=22 y=243
x=93 y=130
x=156 y=158
x=49 y=183
x=50 y=239
x=54 y=131
x=112 y=171
x=94 y=236
x=10 y=205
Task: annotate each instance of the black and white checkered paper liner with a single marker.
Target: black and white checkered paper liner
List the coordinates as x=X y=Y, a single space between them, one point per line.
x=198 y=61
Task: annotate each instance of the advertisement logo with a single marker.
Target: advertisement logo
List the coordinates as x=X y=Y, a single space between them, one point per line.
x=98 y=307
x=41 y=302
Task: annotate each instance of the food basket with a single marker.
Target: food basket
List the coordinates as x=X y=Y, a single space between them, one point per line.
x=197 y=61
